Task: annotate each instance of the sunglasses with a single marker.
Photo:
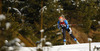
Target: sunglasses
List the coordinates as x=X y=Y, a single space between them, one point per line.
x=60 y=19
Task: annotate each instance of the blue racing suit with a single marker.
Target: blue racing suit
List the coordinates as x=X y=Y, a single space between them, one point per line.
x=65 y=26
x=65 y=22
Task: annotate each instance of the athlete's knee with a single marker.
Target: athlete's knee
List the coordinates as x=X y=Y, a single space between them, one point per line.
x=70 y=31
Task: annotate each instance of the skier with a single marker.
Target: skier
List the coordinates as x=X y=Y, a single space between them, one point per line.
x=63 y=23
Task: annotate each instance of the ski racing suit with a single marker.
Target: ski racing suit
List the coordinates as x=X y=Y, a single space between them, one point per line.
x=65 y=26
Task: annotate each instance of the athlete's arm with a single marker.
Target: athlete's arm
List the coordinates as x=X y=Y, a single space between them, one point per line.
x=58 y=24
x=66 y=22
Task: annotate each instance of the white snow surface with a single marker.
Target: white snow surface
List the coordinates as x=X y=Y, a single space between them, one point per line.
x=70 y=47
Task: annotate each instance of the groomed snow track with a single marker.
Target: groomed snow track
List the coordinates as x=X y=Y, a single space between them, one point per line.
x=70 y=47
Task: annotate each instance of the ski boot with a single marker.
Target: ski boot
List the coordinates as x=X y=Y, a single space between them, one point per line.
x=64 y=41
x=76 y=41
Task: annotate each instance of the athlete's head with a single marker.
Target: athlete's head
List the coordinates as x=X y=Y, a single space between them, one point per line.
x=61 y=19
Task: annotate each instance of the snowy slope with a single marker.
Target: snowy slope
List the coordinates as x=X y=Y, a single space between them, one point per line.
x=71 y=47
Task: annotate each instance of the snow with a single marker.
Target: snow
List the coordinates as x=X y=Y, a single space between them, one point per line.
x=24 y=7
x=17 y=40
x=42 y=30
x=74 y=3
x=94 y=20
x=2 y=17
x=17 y=11
x=89 y=39
x=83 y=0
x=59 y=9
x=22 y=44
x=59 y=33
x=43 y=8
x=55 y=1
x=8 y=25
x=48 y=43
x=98 y=22
x=16 y=1
x=6 y=41
x=54 y=25
x=17 y=44
x=9 y=7
x=11 y=0
x=11 y=48
x=71 y=47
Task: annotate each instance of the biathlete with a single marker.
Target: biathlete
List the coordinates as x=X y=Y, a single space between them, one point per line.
x=63 y=24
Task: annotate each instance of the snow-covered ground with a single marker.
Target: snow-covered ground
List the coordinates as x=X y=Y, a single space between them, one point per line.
x=70 y=47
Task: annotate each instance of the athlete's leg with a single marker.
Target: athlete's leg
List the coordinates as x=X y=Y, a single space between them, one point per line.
x=64 y=34
x=71 y=34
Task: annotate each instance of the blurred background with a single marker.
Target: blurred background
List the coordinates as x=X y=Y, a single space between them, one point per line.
x=23 y=19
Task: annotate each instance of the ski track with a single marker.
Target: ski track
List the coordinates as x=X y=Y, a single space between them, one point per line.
x=70 y=47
